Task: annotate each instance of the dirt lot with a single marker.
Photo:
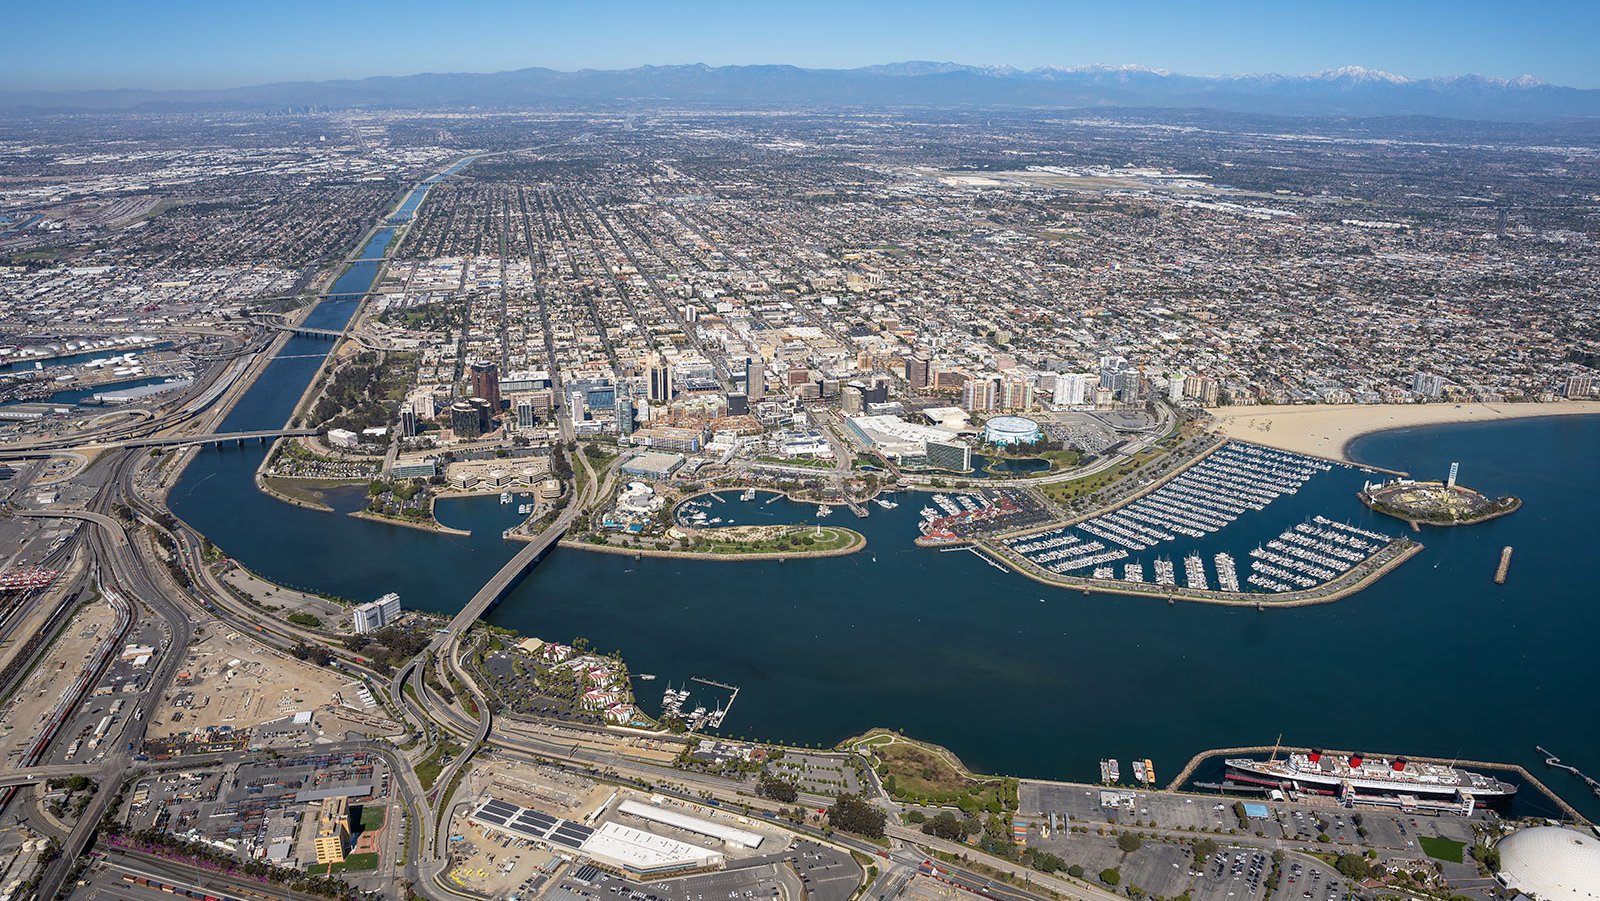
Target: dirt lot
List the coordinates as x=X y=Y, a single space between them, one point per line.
x=544 y=788
x=235 y=682
x=334 y=616
x=22 y=716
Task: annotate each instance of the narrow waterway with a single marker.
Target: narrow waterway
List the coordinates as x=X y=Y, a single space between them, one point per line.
x=332 y=553
x=1017 y=678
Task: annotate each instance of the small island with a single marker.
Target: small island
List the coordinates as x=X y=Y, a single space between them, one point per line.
x=1435 y=503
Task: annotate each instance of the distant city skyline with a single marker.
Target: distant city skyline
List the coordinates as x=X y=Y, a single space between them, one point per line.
x=186 y=44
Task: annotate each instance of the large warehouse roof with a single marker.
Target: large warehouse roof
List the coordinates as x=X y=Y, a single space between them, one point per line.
x=613 y=844
x=1551 y=863
x=646 y=852
x=689 y=823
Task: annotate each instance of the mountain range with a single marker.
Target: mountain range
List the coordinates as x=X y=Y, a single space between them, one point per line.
x=1349 y=91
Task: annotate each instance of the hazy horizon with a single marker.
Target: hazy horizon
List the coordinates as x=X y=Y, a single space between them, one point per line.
x=187 y=45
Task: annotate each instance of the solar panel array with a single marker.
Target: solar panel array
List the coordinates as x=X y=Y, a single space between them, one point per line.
x=532 y=824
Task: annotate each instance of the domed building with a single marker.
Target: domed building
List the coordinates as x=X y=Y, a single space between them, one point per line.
x=1551 y=863
x=1006 y=430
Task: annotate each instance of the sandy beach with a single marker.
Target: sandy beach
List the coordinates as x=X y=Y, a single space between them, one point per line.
x=1327 y=430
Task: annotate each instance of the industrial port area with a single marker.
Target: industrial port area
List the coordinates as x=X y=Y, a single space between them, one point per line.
x=288 y=427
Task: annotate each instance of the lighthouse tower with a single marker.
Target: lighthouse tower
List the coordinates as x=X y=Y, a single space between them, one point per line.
x=1454 y=468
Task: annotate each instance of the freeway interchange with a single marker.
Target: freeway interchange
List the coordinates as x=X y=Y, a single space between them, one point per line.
x=125 y=501
x=153 y=565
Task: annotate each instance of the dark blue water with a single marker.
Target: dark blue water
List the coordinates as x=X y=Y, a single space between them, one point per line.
x=1015 y=677
x=323 y=552
x=408 y=208
x=1435 y=659
x=70 y=359
x=78 y=395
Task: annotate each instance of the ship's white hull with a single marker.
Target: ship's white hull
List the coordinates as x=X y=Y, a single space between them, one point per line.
x=1332 y=782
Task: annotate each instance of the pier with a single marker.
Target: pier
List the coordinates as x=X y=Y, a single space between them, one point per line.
x=1552 y=760
x=1505 y=565
x=723 y=685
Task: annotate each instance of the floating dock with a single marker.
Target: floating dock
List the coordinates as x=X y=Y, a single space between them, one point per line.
x=1552 y=760
x=1505 y=566
x=722 y=712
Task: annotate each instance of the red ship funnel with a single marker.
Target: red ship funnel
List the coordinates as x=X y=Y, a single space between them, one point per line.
x=1355 y=760
x=1399 y=764
x=1315 y=756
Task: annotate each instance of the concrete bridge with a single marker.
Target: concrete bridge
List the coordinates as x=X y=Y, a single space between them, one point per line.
x=274 y=321
x=305 y=331
x=213 y=439
x=496 y=588
x=42 y=774
x=238 y=438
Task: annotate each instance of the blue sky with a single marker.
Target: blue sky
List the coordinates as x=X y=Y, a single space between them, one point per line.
x=187 y=43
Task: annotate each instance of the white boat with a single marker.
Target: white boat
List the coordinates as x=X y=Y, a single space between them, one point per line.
x=824 y=509
x=748 y=495
x=505 y=498
x=887 y=505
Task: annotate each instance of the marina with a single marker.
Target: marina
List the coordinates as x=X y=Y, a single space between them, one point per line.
x=1236 y=482
x=699 y=717
x=772 y=649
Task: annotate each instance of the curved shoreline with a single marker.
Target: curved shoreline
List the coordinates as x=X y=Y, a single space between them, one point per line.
x=1329 y=430
x=421 y=526
x=264 y=485
x=1338 y=588
x=855 y=547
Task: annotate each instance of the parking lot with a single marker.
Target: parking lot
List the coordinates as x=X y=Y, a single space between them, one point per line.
x=827 y=873
x=1087 y=804
x=1233 y=874
x=818 y=774
x=747 y=884
x=1306 y=821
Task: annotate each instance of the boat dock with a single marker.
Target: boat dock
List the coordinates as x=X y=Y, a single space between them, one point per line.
x=1552 y=760
x=856 y=508
x=1505 y=565
x=722 y=712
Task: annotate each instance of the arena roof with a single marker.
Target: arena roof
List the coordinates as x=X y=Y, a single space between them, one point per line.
x=1012 y=425
x=1551 y=862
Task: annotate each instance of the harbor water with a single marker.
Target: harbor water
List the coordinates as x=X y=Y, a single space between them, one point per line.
x=1016 y=677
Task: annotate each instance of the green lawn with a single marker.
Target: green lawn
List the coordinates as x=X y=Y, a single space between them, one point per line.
x=372 y=816
x=919 y=775
x=832 y=538
x=1445 y=849
x=353 y=863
